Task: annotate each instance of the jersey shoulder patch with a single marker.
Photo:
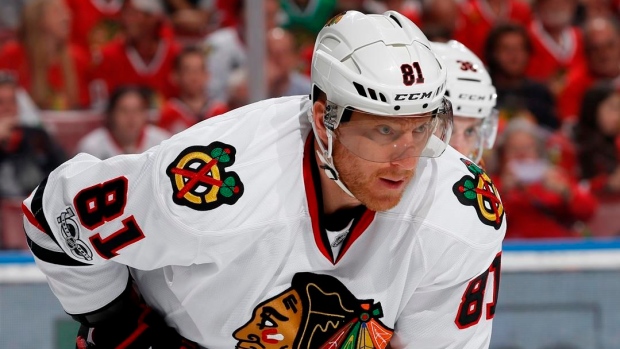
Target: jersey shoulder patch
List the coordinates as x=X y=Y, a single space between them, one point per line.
x=199 y=177
x=478 y=190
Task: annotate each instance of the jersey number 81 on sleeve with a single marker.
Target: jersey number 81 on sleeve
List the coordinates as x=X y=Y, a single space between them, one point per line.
x=104 y=203
x=470 y=309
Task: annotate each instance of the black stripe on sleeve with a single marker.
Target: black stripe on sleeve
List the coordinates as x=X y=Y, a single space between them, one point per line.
x=37 y=211
x=58 y=258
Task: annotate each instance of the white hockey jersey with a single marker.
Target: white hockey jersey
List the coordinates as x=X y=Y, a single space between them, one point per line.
x=220 y=228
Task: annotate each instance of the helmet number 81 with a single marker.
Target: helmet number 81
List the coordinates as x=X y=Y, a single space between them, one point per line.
x=412 y=74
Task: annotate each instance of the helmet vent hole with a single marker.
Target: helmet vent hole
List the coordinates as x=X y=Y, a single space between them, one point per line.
x=382 y=98
x=397 y=107
x=396 y=20
x=458 y=108
x=425 y=105
x=372 y=93
x=479 y=110
x=447 y=93
x=360 y=89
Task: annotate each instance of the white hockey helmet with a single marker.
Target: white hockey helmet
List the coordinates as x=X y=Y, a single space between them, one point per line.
x=471 y=92
x=380 y=64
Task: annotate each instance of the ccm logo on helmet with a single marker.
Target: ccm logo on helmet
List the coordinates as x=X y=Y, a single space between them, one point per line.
x=472 y=97
x=413 y=96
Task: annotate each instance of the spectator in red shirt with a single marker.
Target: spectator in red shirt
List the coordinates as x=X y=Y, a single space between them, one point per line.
x=596 y=134
x=540 y=199
x=144 y=56
x=95 y=22
x=46 y=64
x=192 y=104
x=557 y=46
x=602 y=48
x=479 y=16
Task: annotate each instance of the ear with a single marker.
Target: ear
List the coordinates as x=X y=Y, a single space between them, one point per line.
x=318 y=113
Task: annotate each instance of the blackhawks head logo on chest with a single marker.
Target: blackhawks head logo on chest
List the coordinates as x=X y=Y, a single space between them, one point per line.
x=317 y=311
x=478 y=191
x=199 y=178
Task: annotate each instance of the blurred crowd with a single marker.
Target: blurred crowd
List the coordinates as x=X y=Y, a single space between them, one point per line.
x=142 y=70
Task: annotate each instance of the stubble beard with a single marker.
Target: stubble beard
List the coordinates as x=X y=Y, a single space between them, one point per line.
x=362 y=185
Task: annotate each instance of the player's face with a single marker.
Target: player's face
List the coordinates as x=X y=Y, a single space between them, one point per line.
x=274 y=325
x=378 y=185
x=466 y=136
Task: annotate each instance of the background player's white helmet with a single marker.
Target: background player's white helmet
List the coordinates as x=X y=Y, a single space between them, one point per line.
x=470 y=90
x=380 y=64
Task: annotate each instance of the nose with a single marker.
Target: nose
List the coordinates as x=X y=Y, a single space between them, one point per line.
x=407 y=163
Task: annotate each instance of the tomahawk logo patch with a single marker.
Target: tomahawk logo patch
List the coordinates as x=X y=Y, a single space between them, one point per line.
x=481 y=193
x=199 y=178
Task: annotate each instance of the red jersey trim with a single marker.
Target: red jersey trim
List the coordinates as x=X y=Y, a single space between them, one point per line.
x=485 y=10
x=367 y=217
x=313 y=207
x=564 y=51
x=154 y=66
x=30 y=218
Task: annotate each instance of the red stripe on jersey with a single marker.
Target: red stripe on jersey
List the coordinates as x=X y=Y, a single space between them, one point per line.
x=313 y=205
x=30 y=218
x=359 y=228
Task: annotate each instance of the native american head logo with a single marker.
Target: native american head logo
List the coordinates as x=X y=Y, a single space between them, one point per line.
x=481 y=193
x=199 y=179
x=317 y=311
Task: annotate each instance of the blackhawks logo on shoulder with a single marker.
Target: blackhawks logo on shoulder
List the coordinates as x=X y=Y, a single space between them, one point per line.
x=481 y=193
x=199 y=179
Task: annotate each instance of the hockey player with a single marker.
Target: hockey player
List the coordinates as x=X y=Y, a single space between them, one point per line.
x=339 y=220
x=473 y=100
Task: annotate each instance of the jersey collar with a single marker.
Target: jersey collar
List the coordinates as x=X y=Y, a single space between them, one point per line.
x=315 y=203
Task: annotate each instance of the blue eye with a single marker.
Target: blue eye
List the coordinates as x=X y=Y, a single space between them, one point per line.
x=422 y=128
x=384 y=130
x=471 y=131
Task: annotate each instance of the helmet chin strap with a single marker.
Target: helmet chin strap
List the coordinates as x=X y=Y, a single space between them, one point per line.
x=325 y=155
x=330 y=171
